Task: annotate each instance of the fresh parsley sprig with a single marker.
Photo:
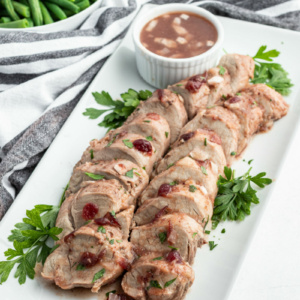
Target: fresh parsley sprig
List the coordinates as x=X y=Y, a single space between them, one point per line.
x=119 y=110
x=31 y=241
x=270 y=73
x=235 y=195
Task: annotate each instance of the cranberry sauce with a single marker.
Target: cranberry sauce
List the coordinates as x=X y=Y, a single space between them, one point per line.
x=164 y=190
x=143 y=146
x=89 y=211
x=187 y=136
x=174 y=255
x=68 y=238
x=88 y=259
x=234 y=100
x=108 y=219
x=161 y=213
x=194 y=83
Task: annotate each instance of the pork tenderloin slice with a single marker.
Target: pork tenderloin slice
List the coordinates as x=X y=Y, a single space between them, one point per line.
x=176 y=230
x=224 y=123
x=272 y=103
x=137 y=282
x=250 y=117
x=218 y=80
x=125 y=220
x=188 y=198
x=240 y=68
x=121 y=146
x=83 y=254
x=166 y=104
x=194 y=91
x=204 y=144
x=204 y=173
x=116 y=169
x=98 y=198
x=151 y=126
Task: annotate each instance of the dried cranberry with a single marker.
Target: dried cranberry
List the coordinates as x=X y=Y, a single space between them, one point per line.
x=234 y=100
x=187 y=136
x=164 y=190
x=195 y=83
x=108 y=219
x=153 y=116
x=161 y=213
x=124 y=264
x=89 y=211
x=88 y=259
x=68 y=238
x=174 y=255
x=143 y=146
x=160 y=94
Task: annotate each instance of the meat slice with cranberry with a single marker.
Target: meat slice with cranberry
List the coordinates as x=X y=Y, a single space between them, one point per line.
x=89 y=257
x=188 y=198
x=173 y=231
x=250 y=116
x=153 y=127
x=123 y=145
x=155 y=276
x=194 y=91
x=166 y=104
x=240 y=68
x=224 y=123
x=271 y=102
x=201 y=144
x=133 y=178
x=204 y=173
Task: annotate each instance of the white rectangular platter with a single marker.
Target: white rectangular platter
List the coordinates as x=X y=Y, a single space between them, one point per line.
x=215 y=270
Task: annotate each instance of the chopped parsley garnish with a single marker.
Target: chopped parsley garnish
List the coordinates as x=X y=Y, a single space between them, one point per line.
x=129 y=173
x=166 y=134
x=235 y=195
x=144 y=168
x=92 y=153
x=233 y=153
x=162 y=236
x=205 y=142
x=158 y=258
x=179 y=84
x=250 y=161
x=169 y=282
x=173 y=248
x=112 y=140
x=238 y=94
x=147 y=121
x=112 y=241
x=206 y=222
x=207 y=232
x=119 y=110
x=192 y=188
x=101 y=229
x=173 y=183
x=154 y=284
x=223 y=230
x=194 y=234
x=98 y=275
x=212 y=245
x=113 y=213
x=149 y=138
x=94 y=176
x=203 y=170
x=270 y=73
x=119 y=241
x=169 y=166
x=222 y=70
x=137 y=174
x=80 y=267
x=110 y=292
x=128 y=143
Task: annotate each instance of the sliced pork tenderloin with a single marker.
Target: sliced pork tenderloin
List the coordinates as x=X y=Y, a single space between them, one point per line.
x=250 y=117
x=194 y=91
x=188 y=198
x=123 y=145
x=151 y=126
x=174 y=230
x=156 y=277
x=89 y=257
x=204 y=144
x=240 y=68
x=125 y=218
x=204 y=173
x=224 y=123
x=131 y=176
x=271 y=102
x=166 y=104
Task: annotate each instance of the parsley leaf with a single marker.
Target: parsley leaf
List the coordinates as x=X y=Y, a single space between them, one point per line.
x=158 y=258
x=212 y=245
x=118 y=110
x=272 y=74
x=235 y=195
x=129 y=173
x=222 y=70
x=128 y=143
x=94 y=176
x=192 y=188
x=169 y=282
x=149 y=138
x=98 y=275
x=154 y=284
x=162 y=237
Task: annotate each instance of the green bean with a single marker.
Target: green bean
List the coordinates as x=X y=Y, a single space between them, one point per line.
x=46 y=15
x=68 y=13
x=83 y=4
x=5 y=20
x=21 y=9
x=36 y=12
x=30 y=22
x=66 y=4
x=56 y=10
x=15 y=24
x=10 y=9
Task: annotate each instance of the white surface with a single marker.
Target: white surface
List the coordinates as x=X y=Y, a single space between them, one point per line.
x=161 y=71
x=68 y=24
x=276 y=243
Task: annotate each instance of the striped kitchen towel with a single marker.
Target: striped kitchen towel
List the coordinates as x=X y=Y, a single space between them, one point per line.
x=43 y=76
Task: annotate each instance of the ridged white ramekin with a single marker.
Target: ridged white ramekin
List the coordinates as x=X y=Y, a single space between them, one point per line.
x=161 y=71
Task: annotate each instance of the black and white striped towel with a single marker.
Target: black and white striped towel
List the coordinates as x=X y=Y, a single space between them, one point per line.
x=43 y=76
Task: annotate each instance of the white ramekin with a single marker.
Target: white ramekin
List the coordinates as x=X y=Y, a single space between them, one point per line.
x=161 y=71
